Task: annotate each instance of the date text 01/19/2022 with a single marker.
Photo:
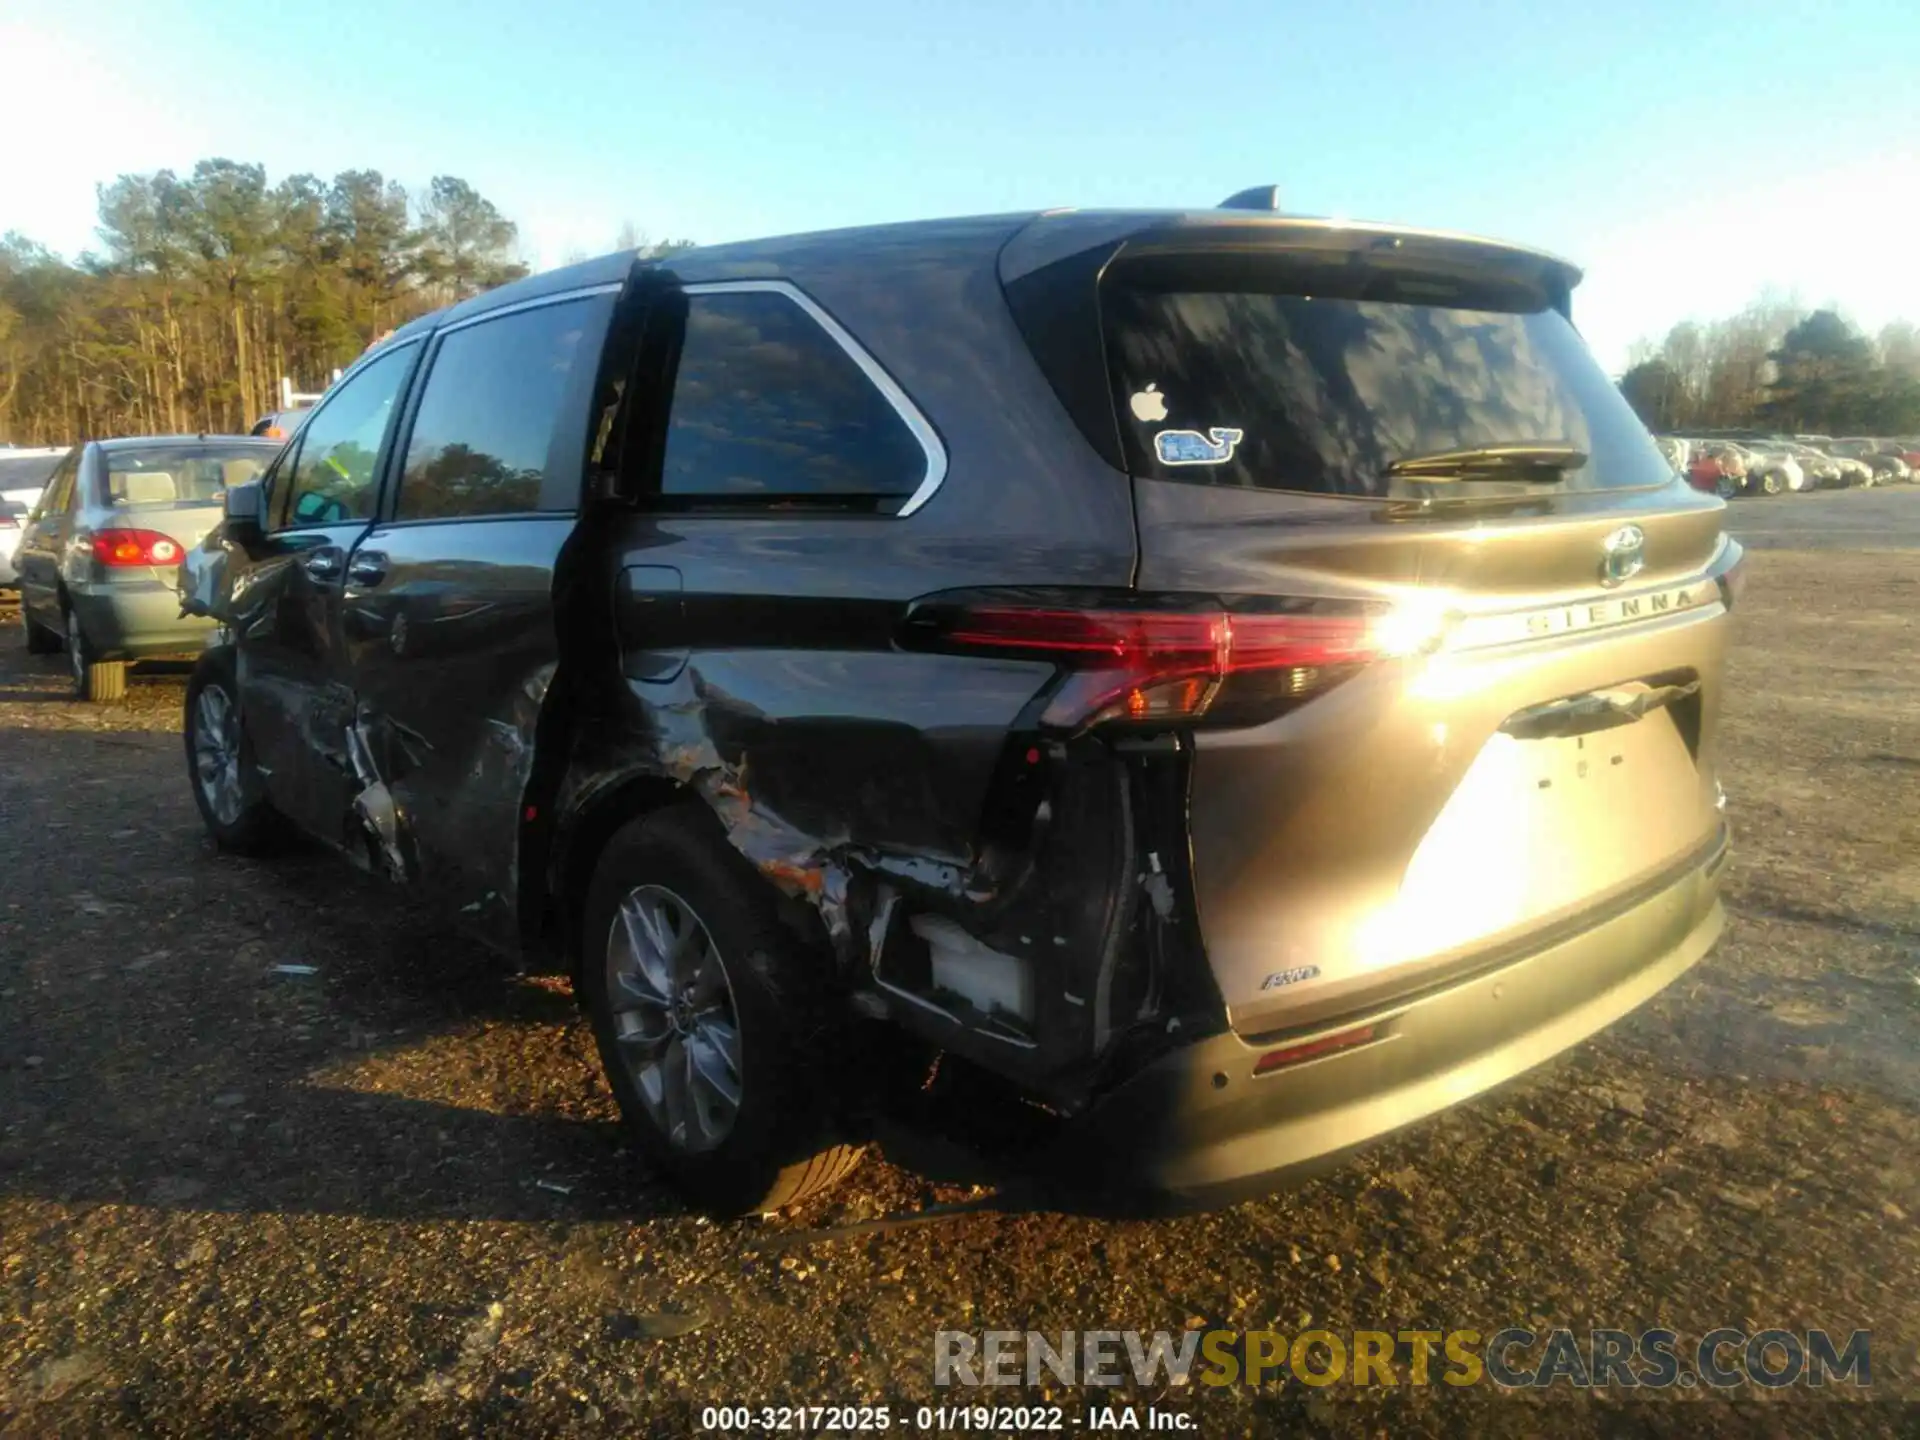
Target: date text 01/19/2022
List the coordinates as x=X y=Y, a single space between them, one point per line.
x=938 y=1419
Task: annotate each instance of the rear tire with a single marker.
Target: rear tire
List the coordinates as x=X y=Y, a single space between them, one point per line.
x=40 y=640
x=703 y=999
x=93 y=680
x=220 y=768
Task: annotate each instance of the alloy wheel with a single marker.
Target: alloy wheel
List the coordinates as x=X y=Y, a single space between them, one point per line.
x=674 y=1018
x=216 y=753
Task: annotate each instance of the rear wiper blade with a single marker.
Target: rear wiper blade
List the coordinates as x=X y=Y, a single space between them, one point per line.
x=1490 y=462
x=1464 y=503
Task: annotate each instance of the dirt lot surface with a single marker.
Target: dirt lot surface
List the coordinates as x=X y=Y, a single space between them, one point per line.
x=388 y=1195
x=1878 y=519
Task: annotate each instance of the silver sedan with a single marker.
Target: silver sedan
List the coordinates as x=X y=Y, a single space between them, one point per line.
x=99 y=558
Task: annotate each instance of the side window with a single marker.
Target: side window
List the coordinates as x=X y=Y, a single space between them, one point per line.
x=334 y=475
x=768 y=406
x=486 y=418
x=59 y=487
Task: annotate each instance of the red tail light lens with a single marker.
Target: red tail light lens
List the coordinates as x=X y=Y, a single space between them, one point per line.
x=122 y=548
x=1164 y=663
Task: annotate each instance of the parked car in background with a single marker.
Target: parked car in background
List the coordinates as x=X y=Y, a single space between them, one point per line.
x=1716 y=468
x=1756 y=475
x=13 y=515
x=1888 y=468
x=1823 y=471
x=1772 y=468
x=1674 y=451
x=99 y=557
x=1855 y=472
x=24 y=473
x=979 y=639
x=281 y=424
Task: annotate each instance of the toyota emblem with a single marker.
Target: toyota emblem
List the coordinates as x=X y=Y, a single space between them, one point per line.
x=1622 y=555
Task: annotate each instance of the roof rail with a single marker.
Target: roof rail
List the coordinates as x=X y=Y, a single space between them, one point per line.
x=1256 y=197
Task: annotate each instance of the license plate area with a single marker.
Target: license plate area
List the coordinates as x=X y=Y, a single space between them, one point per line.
x=1539 y=825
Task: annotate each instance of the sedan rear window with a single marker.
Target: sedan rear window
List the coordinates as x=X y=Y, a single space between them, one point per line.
x=24 y=472
x=163 y=478
x=1320 y=390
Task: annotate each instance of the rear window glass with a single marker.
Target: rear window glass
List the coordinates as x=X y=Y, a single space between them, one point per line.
x=1320 y=392
x=164 y=478
x=25 y=472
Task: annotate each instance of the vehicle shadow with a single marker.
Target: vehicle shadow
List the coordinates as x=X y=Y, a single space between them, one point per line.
x=185 y=1029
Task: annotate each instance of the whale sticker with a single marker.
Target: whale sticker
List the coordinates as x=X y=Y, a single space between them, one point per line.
x=1190 y=447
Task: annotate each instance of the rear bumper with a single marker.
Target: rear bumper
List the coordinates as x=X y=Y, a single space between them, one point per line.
x=1199 y=1127
x=136 y=620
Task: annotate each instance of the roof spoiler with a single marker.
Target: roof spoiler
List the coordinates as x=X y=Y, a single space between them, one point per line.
x=1255 y=197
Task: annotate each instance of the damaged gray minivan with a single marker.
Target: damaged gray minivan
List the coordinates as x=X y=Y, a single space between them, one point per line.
x=1242 y=682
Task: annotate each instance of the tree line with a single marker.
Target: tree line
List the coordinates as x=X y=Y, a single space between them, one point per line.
x=212 y=286
x=1777 y=367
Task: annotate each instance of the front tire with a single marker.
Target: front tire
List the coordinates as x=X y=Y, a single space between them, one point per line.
x=1771 y=483
x=226 y=786
x=93 y=680
x=710 y=1018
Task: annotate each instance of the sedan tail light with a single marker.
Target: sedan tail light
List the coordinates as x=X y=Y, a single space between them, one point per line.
x=121 y=548
x=1162 y=659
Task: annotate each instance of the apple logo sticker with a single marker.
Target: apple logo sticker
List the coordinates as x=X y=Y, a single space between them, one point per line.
x=1148 y=404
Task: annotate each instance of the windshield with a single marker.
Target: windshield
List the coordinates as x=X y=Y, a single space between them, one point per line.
x=1321 y=392
x=168 y=477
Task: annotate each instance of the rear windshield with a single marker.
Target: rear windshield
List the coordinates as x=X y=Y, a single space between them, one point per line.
x=1315 y=390
x=174 y=476
x=24 y=472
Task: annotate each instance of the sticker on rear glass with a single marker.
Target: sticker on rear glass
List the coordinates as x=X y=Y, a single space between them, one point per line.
x=1190 y=447
x=1149 y=406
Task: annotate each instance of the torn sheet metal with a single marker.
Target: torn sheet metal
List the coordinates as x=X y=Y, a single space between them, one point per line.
x=205 y=579
x=827 y=810
x=374 y=811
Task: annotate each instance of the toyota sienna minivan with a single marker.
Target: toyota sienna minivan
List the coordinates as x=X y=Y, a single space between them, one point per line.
x=1242 y=682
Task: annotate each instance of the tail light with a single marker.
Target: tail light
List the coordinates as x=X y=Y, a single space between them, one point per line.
x=1159 y=660
x=124 y=548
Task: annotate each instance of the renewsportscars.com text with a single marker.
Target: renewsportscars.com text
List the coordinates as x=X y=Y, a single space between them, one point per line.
x=1512 y=1358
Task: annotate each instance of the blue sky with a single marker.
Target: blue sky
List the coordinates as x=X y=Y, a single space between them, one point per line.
x=1687 y=154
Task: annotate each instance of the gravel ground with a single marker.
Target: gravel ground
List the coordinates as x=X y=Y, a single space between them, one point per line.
x=389 y=1196
x=1878 y=519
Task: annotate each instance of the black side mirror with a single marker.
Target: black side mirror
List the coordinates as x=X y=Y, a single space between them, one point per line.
x=245 y=510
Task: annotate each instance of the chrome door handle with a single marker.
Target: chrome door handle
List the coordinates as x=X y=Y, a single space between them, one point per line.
x=368 y=567
x=323 y=563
